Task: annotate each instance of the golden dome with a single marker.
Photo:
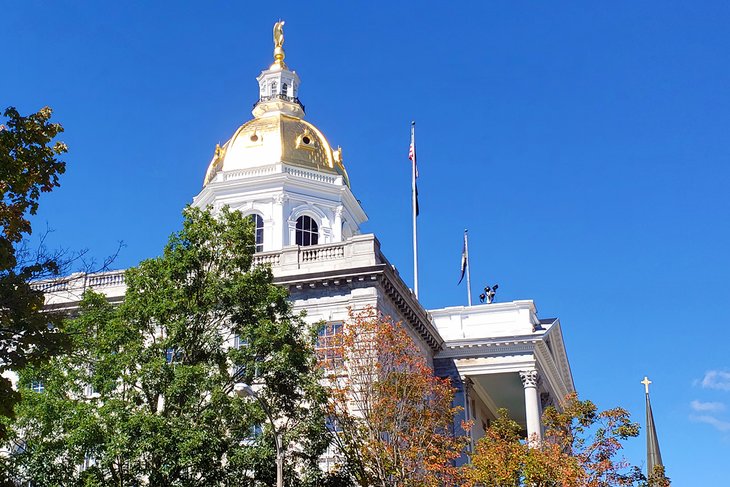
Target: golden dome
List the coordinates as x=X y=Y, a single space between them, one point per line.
x=277 y=134
x=274 y=138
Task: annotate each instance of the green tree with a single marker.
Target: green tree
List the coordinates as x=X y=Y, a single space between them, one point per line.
x=29 y=166
x=579 y=449
x=145 y=396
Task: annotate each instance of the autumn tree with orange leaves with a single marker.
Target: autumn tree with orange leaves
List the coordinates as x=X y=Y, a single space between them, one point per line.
x=391 y=419
x=580 y=449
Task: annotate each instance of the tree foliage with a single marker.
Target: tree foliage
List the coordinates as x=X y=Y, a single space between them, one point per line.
x=145 y=396
x=29 y=166
x=579 y=449
x=392 y=418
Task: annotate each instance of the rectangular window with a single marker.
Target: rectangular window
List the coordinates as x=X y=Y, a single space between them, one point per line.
x=89 y=461
x=329 y=344
x=37 y=386
x=173 y=356
x=239 y=371
x=333 y=425
x=239 y=342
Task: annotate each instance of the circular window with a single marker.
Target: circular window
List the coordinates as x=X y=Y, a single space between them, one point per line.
x=254 y=138
x=306 y=140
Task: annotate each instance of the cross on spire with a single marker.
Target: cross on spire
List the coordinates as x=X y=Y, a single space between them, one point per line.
x=646 y=383
x=653 y=455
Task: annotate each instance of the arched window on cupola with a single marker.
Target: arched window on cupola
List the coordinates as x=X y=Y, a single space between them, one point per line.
x=307 y=231
x=273 y=88
x=283 y=89
x=258 y=228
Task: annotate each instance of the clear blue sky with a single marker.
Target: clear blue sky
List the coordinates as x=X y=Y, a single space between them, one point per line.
x=584 y=146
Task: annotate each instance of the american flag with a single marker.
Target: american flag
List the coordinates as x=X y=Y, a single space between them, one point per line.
x=412 y=148
x=412 y=157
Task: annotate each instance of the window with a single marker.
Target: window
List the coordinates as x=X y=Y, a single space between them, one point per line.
x=254 y=432
x=89 y=389
x=239 y=342
x=273 y=88
x=239 y=371
x=258 y=226
x=332 y=424
x=283 y=89
x=307 y=231
x=329 y=344
x=173 y=356
x=89 y=461
x=37 y=386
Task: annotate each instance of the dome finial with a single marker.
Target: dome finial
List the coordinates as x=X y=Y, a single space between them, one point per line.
x=279 y=44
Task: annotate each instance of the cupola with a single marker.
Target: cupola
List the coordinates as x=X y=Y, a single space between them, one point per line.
x=282 y=170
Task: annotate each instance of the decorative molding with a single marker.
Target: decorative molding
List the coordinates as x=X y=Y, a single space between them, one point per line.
x=561 y=356
x=529 y=378
x=412 y=311
x=496 y=347
x=311 y=210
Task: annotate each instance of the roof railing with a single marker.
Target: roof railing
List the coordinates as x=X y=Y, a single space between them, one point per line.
x=278 y=96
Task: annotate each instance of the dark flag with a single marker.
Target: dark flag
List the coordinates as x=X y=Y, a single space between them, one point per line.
x=464 y=260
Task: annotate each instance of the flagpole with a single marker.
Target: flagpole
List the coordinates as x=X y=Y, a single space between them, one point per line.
x=415 y=206
x=468 y=271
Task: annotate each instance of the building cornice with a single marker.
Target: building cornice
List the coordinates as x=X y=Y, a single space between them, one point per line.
x=235 y=185
x=489 y=347
x=393 y=287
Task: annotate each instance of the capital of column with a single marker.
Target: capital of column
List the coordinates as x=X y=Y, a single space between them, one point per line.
x=529 y=378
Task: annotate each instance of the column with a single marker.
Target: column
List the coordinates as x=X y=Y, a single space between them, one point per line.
x=465 y=385
x=277 y=225
x=532 y=405
x=337 y=225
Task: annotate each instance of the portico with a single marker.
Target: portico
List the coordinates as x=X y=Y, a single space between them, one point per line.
x=501 y=355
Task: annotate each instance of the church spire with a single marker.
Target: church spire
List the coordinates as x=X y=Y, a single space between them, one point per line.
x=653 y=455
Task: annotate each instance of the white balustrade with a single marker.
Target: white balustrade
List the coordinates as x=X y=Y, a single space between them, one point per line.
x=312 y=175
x=315 y=254
x=106 y=279
x=250 y=172
x=254 y=172
x=271 y=259
x=357 y=251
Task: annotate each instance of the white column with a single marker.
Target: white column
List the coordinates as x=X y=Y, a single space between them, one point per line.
x=532 y=405
x=465 y=385
x=276 y=238
x=337 y=225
